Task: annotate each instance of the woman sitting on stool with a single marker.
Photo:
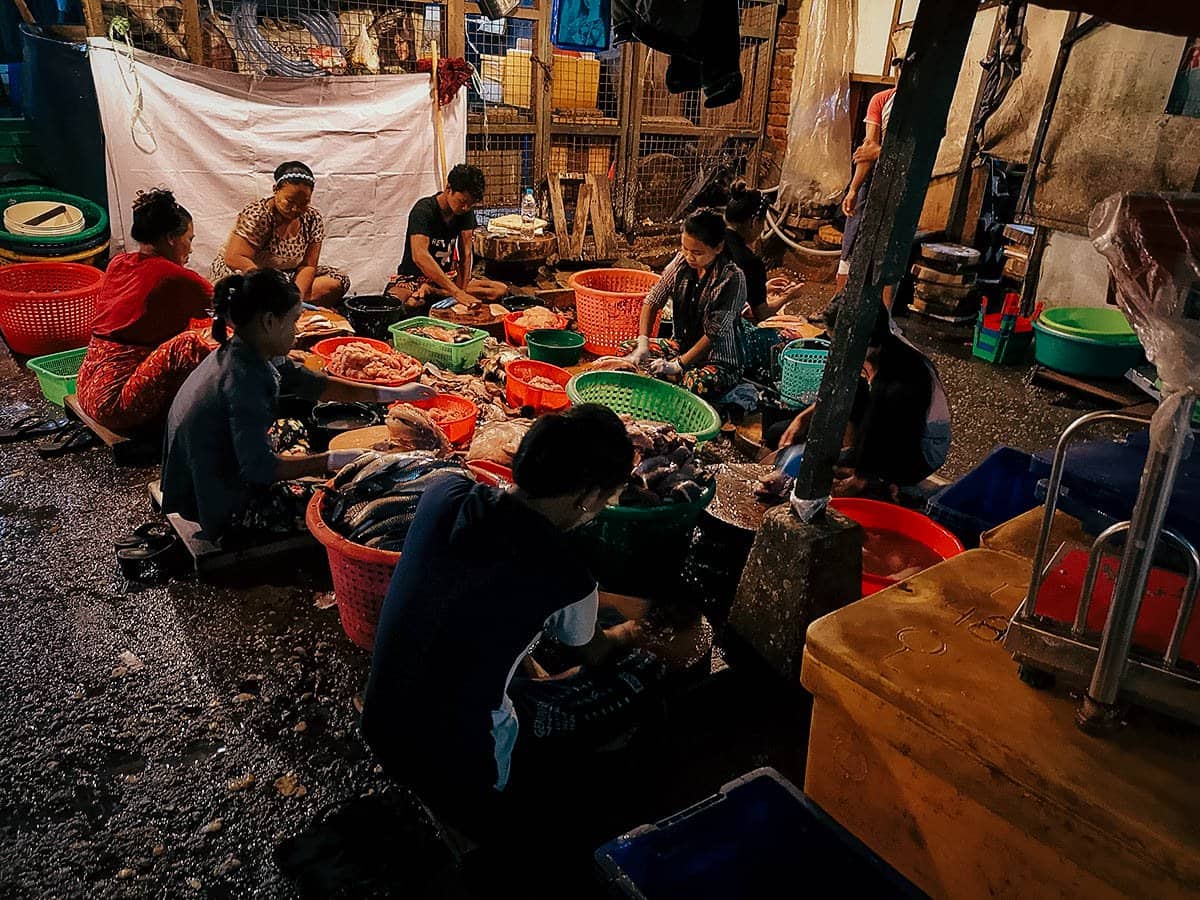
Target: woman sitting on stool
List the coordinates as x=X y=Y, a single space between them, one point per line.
x=141 y=348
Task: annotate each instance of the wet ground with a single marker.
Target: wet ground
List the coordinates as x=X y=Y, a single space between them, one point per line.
x=163 y=741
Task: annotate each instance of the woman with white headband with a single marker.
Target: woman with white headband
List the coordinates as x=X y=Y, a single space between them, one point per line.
x=284 y=232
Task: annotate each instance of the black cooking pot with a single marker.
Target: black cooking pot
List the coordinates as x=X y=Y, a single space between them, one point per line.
x=328 y=420
x=371 y=314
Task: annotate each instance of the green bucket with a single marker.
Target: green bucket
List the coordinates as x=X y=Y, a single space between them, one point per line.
x=1073 y=354
x=555 y=346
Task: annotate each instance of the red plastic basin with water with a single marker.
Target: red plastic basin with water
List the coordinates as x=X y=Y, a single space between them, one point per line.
x=890 y=529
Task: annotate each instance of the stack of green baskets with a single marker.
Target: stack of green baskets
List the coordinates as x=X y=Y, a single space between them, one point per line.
x=57 y=373
x=647 y=398
x=89 y=246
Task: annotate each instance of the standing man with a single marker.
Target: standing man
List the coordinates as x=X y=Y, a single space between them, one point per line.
x=879 y=111
x=437 y=249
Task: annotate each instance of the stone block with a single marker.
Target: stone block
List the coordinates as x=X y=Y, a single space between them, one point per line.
x=796 y=573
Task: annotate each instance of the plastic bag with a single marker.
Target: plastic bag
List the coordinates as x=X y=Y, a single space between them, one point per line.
x=816 y=167
x=1152 y=244
x=582 y=25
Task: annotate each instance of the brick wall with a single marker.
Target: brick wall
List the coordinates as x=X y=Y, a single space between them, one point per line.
x=779 y=101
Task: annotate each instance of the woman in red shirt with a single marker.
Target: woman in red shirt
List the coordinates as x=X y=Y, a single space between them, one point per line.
x=142 y=347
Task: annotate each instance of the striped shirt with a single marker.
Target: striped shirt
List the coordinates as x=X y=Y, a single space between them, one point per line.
x=704 y=307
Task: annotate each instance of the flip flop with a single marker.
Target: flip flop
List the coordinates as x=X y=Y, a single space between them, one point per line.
x=138 y=563
x=31 y=426
x=149 y=534
x=74 y=438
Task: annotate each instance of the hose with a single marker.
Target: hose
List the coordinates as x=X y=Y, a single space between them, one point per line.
x=251 y=42
x=773 y=225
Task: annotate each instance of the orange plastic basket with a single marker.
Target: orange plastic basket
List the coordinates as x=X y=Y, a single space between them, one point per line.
x=515 y=334
x=325 y=348
x=608 y=305
x=460 y=430
x=361 y=575
x=46 y=307
x=519 y=392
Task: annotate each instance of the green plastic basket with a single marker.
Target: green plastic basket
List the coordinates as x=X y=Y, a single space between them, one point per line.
x=801 y=367
x=56 y=373
x=647 y=398
x=628 y=547
x=455 y=357
x=95 y=221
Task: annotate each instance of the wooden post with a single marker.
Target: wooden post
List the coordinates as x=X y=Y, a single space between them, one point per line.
x=957 y=222
x=456 y=29
x=540 y=102
x=918 y=122
x=23 y=10
x=193 y=37
x=93 y=15
x=438 y=132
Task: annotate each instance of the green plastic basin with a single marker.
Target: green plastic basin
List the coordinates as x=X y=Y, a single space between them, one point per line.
x=1086 y=357
x=1105 y=324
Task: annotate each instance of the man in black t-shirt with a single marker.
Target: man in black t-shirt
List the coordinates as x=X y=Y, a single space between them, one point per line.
x=437 y=249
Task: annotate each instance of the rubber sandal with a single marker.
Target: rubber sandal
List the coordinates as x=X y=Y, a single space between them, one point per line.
x=31 y=426
x=145 y=564
x=149 y=534
x=76 y=438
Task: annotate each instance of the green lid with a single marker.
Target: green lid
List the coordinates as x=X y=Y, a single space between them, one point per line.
x=1104 y=324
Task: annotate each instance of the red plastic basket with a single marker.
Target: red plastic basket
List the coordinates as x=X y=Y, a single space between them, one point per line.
x=608 y=306
x=361 y=576
x=460 y=430
x=490 y=473
x=519 y=392
x=515 y=334
x=46 y=307
x=875 y=515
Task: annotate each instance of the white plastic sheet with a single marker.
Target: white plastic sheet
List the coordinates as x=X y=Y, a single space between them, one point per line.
x=816 y=167
x=215 y=137
x=1152 y=244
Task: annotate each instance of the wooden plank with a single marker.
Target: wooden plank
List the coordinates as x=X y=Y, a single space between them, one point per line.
x=558 y=213
x=935 y=53
x=542 y=94
x=1116 y=392
x=604 y=228
x=192 y=35
x=456 y=34
x=583 y=209
x=208 y=557
x=26 y=15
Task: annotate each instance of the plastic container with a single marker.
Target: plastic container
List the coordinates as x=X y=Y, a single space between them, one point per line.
x=95 y=221
x=89 y=254
x=1105 y=324
x=325 y=348
x=608 y=306
x=1075 y=355
x=1000 y=488
x=491 y=473
x=371 y=314
x=57 y=373
x=647 y=398
x=877 y=516
x=758 y=837
x=328 y=420
x=455 y=357
x=67 y=218
x=1004 y=336
x=515 y=334
x=551 y=345
x=460 y=429
x=518 y=392
x=361 y=576
x=47 y=307
x=801 y=367
x=632 y=549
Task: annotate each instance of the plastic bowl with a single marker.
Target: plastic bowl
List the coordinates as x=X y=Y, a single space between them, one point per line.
x=458 y=430
x=559 y=348
x=1076 y=355
x=519 y=392
x=325 y=348
x=371 y=314
x=1104 y=324
x=515 y=334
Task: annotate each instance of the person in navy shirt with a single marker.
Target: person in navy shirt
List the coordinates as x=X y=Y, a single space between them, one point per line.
x=483 y=574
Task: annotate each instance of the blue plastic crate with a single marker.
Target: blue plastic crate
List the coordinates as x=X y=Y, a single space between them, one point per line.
x=758 y=837
x=998 y=489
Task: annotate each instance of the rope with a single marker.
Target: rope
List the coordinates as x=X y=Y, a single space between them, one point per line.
x=118 y=32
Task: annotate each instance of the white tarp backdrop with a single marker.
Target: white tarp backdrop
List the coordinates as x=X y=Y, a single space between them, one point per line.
x=215 y=137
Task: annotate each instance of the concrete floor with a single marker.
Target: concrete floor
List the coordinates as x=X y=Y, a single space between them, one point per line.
x=129 y=776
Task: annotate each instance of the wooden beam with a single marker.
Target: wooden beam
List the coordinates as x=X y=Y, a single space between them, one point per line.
x=918 y=123
x=456 y=28
x=633 y=59
x=23 y=10
x=192 y=35
x=542 y=75
x=93 y=17
x=956 y=223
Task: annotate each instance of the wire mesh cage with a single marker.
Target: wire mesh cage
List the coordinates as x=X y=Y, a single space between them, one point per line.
x=674 y=174
x=507 y=164
x=295 y=38
x=502 y=52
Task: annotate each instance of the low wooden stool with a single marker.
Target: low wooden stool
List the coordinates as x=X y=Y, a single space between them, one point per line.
x=127 y=449
x=210 y=558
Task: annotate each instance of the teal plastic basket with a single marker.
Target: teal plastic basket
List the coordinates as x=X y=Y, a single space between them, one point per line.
x=647 y=398
x=57 y=373
x=801 y=367
x=455 y=357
